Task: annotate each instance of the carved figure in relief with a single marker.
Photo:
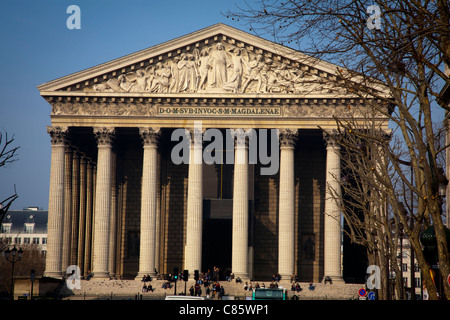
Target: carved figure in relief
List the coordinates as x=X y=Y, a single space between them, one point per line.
x=141 y=81
x=202 y=62
x=272 y=82
x=122 y=83
x=193 y=73
x=238 y=63
x=160 y=83
x=150 y=76
x=220 y=67
x=187 y=73
x=182 y=71
x=174 y=75
x=218 y=64
x=255 y=68
x=103 y=87
x=284 y=79
x=264 y=76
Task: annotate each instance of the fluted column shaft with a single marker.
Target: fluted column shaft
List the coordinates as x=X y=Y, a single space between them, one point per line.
x=194 y=223
x=147 y=254
x=90 y=174
x=67 y=207
x=332 y=221
x=286 y=219
x=82 y=220
x=113 y=218
x=53 y=266
x=239 y=257
x=75 y=208
x=102 y=203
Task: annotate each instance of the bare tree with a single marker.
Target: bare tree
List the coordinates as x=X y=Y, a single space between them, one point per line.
x=391 y=54
x=8 y=154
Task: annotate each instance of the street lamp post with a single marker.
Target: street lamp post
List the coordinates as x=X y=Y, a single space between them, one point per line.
x=13 y=256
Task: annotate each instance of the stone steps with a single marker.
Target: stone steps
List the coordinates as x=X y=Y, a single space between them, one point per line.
x=116 y=289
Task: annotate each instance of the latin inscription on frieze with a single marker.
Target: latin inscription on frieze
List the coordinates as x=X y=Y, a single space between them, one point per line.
x=219 y=111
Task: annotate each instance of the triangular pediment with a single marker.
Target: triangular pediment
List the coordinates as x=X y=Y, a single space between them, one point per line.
x=215 y=60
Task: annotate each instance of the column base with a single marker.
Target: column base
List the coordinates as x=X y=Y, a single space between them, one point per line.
x=101 y=275
x=53 y=274
x=286 y=277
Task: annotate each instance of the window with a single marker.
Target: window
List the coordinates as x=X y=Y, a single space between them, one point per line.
x=26 y=240
x=35 y=240
x=29 y=227
x=404 y=267
x=44 y=240
x=417 y=282
x=6 y=227
x=17 y=240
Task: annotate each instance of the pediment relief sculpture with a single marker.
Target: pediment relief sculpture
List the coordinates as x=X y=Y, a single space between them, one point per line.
x=218 y=68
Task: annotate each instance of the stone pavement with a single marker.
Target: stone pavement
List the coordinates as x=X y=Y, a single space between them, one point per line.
x=132 y=289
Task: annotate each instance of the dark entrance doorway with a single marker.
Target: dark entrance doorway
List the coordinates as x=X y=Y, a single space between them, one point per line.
x=217 y=231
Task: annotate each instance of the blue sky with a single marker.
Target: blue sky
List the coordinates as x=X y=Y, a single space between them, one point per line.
x=36 y=46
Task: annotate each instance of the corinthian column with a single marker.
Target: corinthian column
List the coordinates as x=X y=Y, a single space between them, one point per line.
x=113 y=218
x=194 y=223
x=53 y=261
x=102 y=203
x=82 y=221
x=147 y=254
x=90 y=174
x=67 y=207
x=286 y=220
x=75 y=207
x=239 y=257
x=332 y=221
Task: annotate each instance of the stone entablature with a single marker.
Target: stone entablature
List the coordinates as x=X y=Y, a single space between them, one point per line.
x=213 y=107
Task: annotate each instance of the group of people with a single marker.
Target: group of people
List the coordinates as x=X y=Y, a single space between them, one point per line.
x=145 y=287
x=146 y=278
x=249 y=286
x=276 y=277
x=149 y=287
x=211 y=289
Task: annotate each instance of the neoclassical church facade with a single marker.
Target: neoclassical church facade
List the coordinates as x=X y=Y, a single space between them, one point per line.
x=131 y=194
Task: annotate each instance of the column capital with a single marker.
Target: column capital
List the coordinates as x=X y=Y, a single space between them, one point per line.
x=83 y=158
x=104 y=135
x=58 y=134
x=76 y=153
x=242 y=137
x=195 y=134
x=288 y=138
x=150 y=136
x=331 y=138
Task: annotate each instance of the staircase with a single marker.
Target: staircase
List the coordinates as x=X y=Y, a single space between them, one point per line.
x=132 y=289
